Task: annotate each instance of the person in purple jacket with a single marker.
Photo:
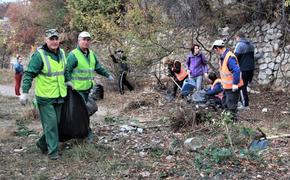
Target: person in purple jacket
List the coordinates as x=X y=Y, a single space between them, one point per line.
x=196 y=65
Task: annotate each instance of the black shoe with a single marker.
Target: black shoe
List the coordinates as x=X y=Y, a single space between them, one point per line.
x=42 y=148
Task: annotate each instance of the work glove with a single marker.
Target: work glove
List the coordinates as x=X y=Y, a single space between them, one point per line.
x=235 y=87
x=69 y=84
x=23 y=99
x=110 y=78
x=205 y=75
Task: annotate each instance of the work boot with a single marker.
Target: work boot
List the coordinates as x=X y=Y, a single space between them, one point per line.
x=53 y=156
x=241 y=107
x=169 y=98
x=42 y=148
x=90 y=138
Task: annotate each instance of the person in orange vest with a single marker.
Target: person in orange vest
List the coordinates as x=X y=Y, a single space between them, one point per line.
x=230 y=77
x=177 y=72
x=214 y=94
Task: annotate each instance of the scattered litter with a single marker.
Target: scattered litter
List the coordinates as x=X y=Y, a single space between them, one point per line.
x=264 y=110
x=21 y=149
x=42 y=169
x=145 y=174
x=32 y=135
x=169 y=157
x=258 y=145
x=142 y=154
x=126 y=128
x=139 y=130
x=259 y=176
x=192 y=144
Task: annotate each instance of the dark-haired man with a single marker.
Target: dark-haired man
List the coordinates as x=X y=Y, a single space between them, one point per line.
x=244 y=51
x=120 y=58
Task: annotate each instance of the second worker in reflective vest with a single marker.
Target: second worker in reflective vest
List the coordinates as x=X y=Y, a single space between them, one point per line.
x=82 y=64
x=230 y=76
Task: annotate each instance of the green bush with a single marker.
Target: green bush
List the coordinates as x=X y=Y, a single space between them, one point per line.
x=22 y=130
x=212 y=156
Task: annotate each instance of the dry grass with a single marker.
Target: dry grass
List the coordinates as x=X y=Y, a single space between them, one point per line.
x=6 y=76
x=157 y=152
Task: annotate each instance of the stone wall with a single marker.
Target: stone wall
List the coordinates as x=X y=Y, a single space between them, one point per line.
x=273 y=66
x=272 y=57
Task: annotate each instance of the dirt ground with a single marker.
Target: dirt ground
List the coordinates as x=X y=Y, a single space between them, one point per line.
x=141 y=135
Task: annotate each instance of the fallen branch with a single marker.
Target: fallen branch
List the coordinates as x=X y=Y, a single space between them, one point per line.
x=159 y=82
x=279 y=136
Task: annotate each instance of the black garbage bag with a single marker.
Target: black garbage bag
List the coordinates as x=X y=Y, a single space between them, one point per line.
x=74 y=121
x=97 y=92
x=91 y=106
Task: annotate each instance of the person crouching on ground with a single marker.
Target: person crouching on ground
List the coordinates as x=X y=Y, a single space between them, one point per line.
x=214 y=94
x=177 y=73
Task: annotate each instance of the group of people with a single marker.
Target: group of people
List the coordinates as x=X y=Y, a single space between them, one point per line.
x=53 y=73
x=236 y=70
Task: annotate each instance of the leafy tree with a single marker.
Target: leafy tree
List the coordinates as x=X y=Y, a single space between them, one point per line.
x=4 y=50
x=137 y=26
x=100 y=17
x=30 y=19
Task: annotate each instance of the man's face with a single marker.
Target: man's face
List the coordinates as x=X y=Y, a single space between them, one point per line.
x=52 y=42
x=119 y=54
x=84 y=43
x=216 y=50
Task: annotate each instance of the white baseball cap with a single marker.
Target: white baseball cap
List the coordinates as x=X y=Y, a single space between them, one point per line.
x=84 y=34
x=219 y=43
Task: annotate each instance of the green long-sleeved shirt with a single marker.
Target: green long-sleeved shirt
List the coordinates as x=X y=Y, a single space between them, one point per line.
x=72 y=63
x=34 y=68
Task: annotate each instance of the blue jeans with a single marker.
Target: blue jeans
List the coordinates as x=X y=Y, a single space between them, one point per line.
x=191 y=83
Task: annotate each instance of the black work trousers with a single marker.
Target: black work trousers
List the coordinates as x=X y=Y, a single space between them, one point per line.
x=247 y=77
x=123 y=81
x=230 y=102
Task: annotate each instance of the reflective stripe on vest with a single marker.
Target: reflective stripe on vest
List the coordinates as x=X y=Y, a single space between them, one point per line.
x=221 y=94
x=49 y=83
x=181 y=75
x=83 y=74
x=226 y=76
